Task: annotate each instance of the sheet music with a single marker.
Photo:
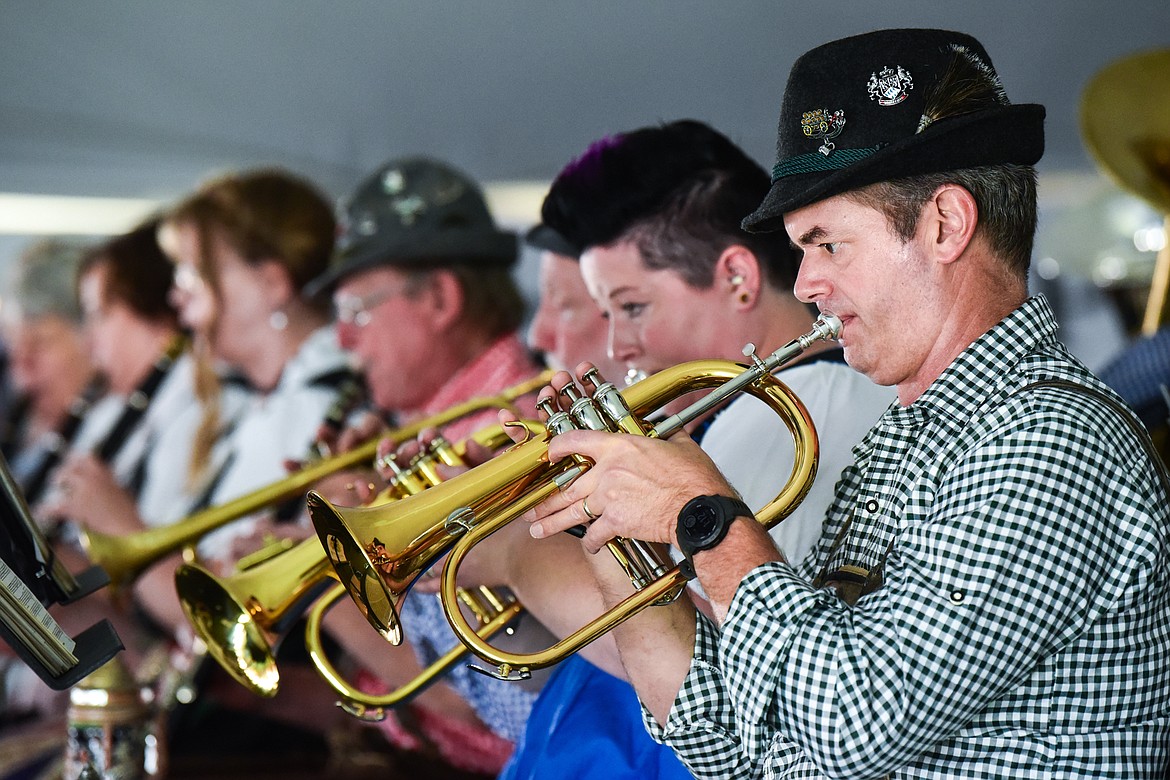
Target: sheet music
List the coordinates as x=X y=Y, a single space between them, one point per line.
x=32 y=625
x=41 y=551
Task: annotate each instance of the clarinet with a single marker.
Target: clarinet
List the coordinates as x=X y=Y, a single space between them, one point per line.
x=139 y=400
x=34 y=486
x=351 y=394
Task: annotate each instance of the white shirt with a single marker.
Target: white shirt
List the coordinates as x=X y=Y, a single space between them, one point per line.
x=273 y=428
x=163 y=437
x=753 y=448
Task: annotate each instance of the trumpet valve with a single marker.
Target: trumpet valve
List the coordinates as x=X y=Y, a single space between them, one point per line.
x=582 y=409
x=422 y=468
x=389 y=461
x=749 y=351
x=593 y=378
x=558 y=421
x=444 y=452
x=611 y=403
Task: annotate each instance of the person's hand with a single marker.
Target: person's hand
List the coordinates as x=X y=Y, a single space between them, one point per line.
x=86 y=492
x=361 y=430
x=355 y=487
x=635 y=487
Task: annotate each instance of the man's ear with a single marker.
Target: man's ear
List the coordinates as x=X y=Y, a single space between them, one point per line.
x=446 y=298
x=951 y=216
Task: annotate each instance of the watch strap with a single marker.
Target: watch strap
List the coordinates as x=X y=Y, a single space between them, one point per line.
x=730 y=508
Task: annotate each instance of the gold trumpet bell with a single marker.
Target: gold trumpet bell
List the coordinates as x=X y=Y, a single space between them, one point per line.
x=356 y=569
x=249 y=660
x=242 y=618
x=378 y=552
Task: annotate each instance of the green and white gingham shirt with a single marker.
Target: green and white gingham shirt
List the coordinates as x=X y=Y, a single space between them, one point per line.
x=1023 y=630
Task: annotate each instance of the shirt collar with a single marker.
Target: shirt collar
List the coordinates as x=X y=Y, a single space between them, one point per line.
x=492 y=370
x=982 y=368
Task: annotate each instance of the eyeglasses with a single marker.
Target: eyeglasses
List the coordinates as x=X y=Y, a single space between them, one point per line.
x=356 y=309
x=188 y=280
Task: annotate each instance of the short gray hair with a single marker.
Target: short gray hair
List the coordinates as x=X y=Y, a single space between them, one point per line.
x=44 y=280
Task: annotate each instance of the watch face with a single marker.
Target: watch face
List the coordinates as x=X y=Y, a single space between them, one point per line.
x=700 y=521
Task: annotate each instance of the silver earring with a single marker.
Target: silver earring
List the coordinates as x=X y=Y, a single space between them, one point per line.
x=278 y=320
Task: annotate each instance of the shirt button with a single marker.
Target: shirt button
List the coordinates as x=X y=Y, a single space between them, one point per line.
x=871 y=506
x=957 y=596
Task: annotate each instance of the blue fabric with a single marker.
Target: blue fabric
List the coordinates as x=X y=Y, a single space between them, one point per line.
x=588 y=723
x=1140 y=375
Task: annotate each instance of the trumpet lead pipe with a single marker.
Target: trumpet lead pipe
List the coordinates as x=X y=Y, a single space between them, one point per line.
x=827 y=326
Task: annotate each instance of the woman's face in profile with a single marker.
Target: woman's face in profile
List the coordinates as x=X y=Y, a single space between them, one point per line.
x=233 y=313
x=112 y=330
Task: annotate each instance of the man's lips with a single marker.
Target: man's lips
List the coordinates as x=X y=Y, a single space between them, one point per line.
x=846 y=319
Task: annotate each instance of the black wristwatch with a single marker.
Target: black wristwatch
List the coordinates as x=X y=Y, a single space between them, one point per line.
x=703 y=523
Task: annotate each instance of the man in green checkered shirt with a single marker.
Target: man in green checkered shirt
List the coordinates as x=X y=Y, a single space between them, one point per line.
x=990 y=598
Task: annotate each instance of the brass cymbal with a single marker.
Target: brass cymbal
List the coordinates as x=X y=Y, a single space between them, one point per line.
x=1125 y=122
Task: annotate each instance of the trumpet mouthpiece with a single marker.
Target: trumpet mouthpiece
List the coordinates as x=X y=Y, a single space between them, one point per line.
x=830 y=323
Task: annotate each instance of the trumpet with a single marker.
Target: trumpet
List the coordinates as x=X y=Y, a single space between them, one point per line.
x=378 y=552
x=124 y=556
x=493 y=611
x=244 y=617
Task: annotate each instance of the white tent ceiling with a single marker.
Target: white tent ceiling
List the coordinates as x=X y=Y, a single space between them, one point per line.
x=142 y=98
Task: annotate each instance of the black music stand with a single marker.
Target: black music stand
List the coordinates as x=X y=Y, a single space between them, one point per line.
x=25 y=550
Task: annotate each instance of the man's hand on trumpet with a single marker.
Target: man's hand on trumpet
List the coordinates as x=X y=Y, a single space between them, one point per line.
x=635 y=488
x=353 y=487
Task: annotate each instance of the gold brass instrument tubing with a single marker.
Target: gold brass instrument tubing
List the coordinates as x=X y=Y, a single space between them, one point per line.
x=124 y=556
x=242 y=618
x=378 y=552
x=494 y=612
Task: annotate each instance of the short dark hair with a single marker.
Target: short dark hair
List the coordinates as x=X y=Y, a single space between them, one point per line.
x=678 y=191
x=1004 y=194
x=138 y=273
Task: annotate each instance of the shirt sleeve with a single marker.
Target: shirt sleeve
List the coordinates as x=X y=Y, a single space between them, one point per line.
x=701 y=726
x=1018 y=547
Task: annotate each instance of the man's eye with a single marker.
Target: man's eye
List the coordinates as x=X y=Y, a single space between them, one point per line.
x=830 y=248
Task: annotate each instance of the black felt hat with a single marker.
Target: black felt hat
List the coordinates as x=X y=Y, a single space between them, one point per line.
x=890 y=104
x=416 y=213
x=546 y=238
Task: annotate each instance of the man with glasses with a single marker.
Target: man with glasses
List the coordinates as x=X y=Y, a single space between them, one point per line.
x=425 y=301
x=423 y=291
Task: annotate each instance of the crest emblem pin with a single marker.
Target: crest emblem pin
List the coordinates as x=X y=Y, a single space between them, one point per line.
x=889 y=86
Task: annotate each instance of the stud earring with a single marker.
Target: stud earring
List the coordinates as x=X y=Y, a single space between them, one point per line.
x=737 y=280
x=278 y=320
